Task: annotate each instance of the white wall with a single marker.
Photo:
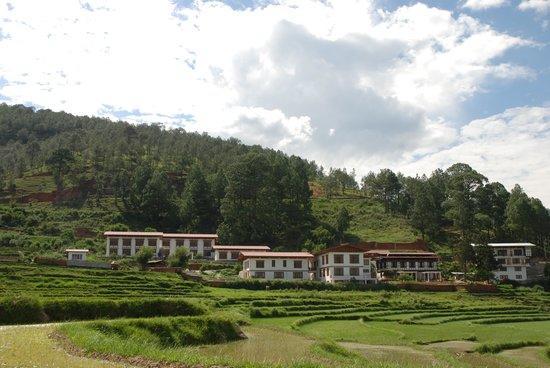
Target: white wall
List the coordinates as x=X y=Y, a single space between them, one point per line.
x=250 y=268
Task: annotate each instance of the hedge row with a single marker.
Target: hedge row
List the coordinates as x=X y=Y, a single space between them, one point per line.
x=497 y=348
x=21 y=310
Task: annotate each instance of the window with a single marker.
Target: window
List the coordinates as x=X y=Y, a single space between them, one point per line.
x=284 y=263
x=234 y=255
x=431 y=264
x=77 y=257
x=273 y=264
x=279 y=275
x=354 y=258
x=503 y=277
x=259 y=274
x=502 y=253
x=394 y=264
x=502 y=269
x=113 y=241
x=516 y=261
x=166 y=243
x=519 y=277
x=193 y=243
x=180 y=243
x=140 y=242
x=339 y=258
x=297 y=275
x=223 y=255
x=338 y=271
x=297 y=264
x=260 y=264
x=207 y=253
x=518 y=252
x=517 y=269
x=126 y=251
x=354 y=271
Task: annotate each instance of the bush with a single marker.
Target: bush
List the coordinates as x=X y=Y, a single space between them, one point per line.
x=144 y=255
x=21 y=310
x=179 y=258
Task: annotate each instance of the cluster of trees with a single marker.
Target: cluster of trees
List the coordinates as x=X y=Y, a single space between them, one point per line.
x=479 y=210
x=165 y=179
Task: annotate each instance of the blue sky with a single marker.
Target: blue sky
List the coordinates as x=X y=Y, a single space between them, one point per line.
x=360 y=84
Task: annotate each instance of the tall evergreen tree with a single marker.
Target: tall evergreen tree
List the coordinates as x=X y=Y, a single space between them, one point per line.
x=197 y=206
x=519 y=214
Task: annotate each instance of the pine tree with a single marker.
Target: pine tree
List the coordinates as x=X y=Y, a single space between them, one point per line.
x=197 y=207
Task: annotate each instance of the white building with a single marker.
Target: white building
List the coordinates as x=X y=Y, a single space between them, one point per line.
x=276 y=265
x=513 y=259
x=128 y=243
x=76 y=254
x=230 y=253
x=344 y=263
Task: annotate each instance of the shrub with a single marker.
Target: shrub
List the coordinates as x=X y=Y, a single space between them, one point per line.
x=179 y=258
x=21 y=309
x=144 y=255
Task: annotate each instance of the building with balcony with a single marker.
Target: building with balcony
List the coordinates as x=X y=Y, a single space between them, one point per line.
x=230 y=253
x=276 y=265
x=128 y=243
x=344 y=263
x=513 y=260
x=418 y=265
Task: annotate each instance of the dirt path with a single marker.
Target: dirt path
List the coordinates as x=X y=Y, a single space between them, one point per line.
x=457 y=346
x=29 y=346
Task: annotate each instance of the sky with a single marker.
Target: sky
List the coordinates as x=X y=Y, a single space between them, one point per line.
x=363 y=84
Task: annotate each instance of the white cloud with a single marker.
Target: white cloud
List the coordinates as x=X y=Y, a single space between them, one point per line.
x=484 y=4
x=540 y=6
x=341 y=82
x=511 y=147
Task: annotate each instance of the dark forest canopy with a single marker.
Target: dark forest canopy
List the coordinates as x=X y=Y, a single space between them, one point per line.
x=181 y=181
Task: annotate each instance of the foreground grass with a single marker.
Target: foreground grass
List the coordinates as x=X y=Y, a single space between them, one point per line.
x=31 y=347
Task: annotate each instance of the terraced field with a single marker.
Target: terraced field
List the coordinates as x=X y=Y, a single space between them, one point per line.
x=58 y=282
x=295 y=328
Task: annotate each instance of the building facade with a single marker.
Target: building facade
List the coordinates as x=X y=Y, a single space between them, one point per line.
x=76 y=254
x=230 y=253
x=344 y=263
x=513 y=260
x=128 y=243
x=417 y=265
x=276 y=265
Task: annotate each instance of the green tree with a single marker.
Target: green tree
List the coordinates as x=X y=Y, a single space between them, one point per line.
x=424 y=214
x=330 y=183
x=60 y=162
x=519 y=214
x=197 y=207
x=180 y=258
x=384 y=186
x=460 y=205
x=343 y=219
x=485 y=262
x=143 y=256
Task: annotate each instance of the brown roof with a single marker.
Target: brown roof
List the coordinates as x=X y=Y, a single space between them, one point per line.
x=133 y=233
x=342 y=248
x=418 y=245
x=159 y=234
x=194 y=236
x=245 y=255
x=241 y=247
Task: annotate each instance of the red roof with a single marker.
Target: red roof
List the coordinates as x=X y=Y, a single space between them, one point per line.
x=241 y=247
x=245 y=255
x=342 y=248
x=194 y=236
x=159 y=234
x=133 y=233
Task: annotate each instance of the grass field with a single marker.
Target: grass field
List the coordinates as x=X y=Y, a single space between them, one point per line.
x=286 y=328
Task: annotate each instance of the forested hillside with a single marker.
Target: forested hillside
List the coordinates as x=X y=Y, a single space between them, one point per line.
x=62 y=174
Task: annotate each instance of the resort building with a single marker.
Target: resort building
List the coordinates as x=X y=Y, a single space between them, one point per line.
x=128 y=243
x=276 y=265
x=230 y=253
x=513 y=259
x=417 y=265
x=344 y=263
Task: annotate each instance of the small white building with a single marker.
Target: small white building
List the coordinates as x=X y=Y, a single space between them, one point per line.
x=128 y=243
x=513 y=259
x=230 y=253
x=76 y=254
x=344 y=263
x=276 y=265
